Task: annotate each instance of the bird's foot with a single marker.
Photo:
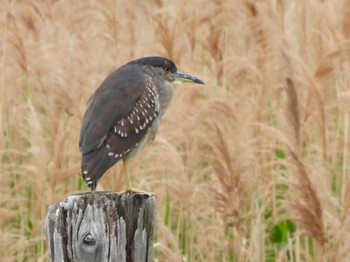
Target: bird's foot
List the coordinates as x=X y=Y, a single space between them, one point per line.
x=129 y=189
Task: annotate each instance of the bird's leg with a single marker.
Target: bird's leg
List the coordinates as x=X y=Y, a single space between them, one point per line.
x=128 y=187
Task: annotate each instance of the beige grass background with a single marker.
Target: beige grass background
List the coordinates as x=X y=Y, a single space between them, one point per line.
x=266 y=141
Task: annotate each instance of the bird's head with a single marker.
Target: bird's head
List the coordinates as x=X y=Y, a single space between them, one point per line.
x=167 y=69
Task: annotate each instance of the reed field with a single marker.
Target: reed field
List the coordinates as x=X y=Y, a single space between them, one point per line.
x=253 y=166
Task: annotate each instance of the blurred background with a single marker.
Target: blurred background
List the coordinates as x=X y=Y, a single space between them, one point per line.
x=254 y=166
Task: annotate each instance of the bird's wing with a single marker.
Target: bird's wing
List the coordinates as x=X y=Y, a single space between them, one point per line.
x=113 y=101
x=118 y=117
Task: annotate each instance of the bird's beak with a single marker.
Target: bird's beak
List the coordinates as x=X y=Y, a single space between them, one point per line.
x=182 y=78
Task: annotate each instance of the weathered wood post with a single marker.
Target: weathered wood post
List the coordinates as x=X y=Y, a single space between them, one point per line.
x=102 y=226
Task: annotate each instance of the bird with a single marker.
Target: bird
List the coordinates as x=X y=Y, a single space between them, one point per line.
x=124 y=113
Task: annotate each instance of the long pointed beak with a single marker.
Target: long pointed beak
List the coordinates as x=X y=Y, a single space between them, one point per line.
x=182 y=77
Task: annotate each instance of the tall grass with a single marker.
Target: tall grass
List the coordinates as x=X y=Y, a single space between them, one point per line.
x=252 y=167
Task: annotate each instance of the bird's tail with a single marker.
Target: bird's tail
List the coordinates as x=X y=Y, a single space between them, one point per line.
x=94 y=164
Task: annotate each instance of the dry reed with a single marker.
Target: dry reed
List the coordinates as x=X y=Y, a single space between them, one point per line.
x=252 y=167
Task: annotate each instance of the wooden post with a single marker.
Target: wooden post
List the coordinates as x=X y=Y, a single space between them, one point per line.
x=102 y=226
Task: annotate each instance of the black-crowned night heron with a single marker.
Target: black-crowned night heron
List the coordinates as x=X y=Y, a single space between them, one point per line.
x=124 y=114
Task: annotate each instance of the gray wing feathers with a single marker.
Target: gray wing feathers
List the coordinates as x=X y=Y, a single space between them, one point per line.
x=113 y=100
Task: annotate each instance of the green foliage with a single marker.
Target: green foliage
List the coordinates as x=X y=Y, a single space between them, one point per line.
x=167 y=209
x=280 y=154
x=281 y=232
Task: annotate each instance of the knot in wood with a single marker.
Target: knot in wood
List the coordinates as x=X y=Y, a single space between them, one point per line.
x=89 y=240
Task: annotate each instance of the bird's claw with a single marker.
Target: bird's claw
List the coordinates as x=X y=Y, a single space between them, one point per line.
x=129 y=189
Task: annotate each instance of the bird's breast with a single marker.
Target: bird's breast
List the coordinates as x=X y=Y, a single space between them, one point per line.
x=165 y=95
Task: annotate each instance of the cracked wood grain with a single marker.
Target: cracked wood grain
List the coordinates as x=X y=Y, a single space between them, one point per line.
x=102 y=226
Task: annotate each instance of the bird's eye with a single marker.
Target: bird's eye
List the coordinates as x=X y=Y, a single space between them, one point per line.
x=167 y=69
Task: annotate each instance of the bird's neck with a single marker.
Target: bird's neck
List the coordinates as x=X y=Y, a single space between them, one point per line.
x=166 y=92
